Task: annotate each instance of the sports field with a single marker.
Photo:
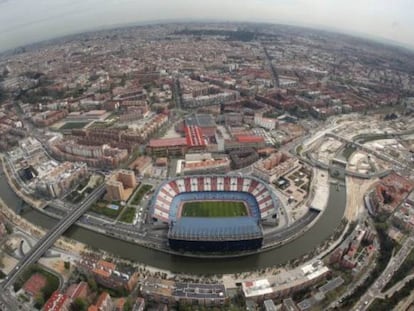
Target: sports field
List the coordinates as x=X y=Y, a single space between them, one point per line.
x=214 y=209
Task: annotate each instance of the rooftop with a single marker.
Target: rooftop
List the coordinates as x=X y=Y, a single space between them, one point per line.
x=106 y=265
x=168 y=142
x=197 y=291
x=76 y=290
x=34 y=284
x=166 y=288
x=228 y=228
x=205 y=163
x=55 y=302
x=194 y=136
x=249 y=139
x=201 y=120
x=102 y=299
x=284 y=280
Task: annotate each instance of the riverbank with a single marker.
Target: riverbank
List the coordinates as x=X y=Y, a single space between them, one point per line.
x=38 y=232
x=306 y=243
x=10 y=180
x=276 y=243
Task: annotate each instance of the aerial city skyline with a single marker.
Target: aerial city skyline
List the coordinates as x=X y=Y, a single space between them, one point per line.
x=24 y=21
x=206 y=155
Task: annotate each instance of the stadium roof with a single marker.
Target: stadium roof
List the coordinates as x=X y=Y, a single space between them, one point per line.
x=215 y=229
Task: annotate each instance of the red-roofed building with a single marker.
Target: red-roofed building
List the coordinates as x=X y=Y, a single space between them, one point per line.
x=390 y=191
x=274 y=167
x=245 y=141
x=106 y=265
x=194 y=136
x=104 y=302
x=207 y=166
x=80 y=290
x=35 y=284
x=108 y=274
x=57 y=302
x=196 y=141
x=249 y=139
x=120 y=304
x=167 y=142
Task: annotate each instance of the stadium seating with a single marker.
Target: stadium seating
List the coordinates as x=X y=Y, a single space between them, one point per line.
x=259 y=199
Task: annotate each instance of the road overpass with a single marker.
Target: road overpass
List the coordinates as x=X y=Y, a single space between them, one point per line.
x=312 y=161
x=380 y=155
x=50 y=237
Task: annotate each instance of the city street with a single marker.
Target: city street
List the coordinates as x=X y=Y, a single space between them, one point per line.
x=375 y=290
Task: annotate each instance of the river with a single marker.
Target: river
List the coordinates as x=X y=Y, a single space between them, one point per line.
x=324 y=227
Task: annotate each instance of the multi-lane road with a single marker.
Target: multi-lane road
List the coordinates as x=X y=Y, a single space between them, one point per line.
x=50 y=237
x=275 y=76
x=375 y=290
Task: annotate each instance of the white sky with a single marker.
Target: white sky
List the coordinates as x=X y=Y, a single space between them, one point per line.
x=27 y=21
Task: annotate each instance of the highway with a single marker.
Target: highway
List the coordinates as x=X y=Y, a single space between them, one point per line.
x=375 y=290
x=9 y=303
x=50 y=238
x=380 y=155
x=285 y=233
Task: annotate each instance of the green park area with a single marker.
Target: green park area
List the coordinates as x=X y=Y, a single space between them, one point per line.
x=107 y=209
x=128 y=215
x=140 y=194
x=52 y=284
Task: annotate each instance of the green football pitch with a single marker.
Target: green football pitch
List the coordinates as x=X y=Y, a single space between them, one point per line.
x=213 y=209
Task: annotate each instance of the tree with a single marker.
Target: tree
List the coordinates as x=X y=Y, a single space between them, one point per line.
x=51 y=285
x=123 y=80
x=39 y=300
x=9 y=228
x=183 y=306
x=92 y=284
x=79 y=304
x=67 y=265
x=1 y=260
x=128 y=305
x=3 y=94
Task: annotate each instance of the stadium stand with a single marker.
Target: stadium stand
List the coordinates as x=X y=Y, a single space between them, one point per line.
x=214 y=234
x=164 y=197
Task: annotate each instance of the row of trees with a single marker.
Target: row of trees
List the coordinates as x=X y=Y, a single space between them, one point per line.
x=405 y=269
x=386 y=248
x=52 y=284
x=390 y=302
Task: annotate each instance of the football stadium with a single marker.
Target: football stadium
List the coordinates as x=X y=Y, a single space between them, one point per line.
x=214 y=213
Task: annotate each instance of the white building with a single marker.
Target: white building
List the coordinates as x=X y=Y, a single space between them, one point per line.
x=267 y=123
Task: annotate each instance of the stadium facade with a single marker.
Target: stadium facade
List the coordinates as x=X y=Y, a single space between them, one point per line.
x=214 y=234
